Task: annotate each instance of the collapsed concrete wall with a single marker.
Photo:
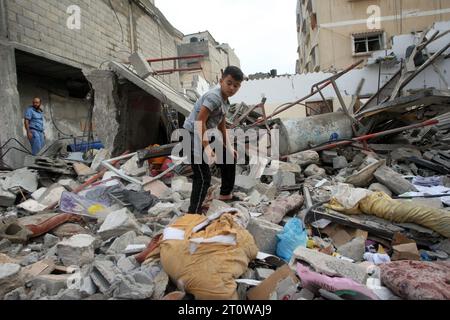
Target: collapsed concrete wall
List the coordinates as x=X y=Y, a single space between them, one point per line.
x=64 y=116
x=10 y=104
x=291 y=88
x=124 y=117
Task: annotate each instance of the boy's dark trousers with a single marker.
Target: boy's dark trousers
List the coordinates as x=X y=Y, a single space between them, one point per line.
x=202 y=181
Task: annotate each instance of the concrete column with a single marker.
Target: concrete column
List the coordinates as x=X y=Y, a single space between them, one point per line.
x=11 y=119
x=106 y=114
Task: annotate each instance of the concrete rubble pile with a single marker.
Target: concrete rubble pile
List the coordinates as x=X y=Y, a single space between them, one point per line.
x=74 y=230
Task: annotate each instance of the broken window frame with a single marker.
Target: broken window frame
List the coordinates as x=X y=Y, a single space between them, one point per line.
x=366 y=40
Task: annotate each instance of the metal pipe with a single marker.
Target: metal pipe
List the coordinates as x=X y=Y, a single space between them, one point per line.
x=376 y=135
x=195 y=56
x=177 y=70
x=313 y=92
x=110 y=167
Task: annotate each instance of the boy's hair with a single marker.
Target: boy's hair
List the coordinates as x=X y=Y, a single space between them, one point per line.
x=234 y=72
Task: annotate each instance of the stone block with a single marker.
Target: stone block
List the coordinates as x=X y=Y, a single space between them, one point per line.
x=378 y=187
x=265 y=234
x=354 y=249
x=329 y=265
x=340 y=163
x=314 y=171
x=76 y=251
x=117 y=223
x=103 y=274
x=245 y=183
x=53 y=283
x=182 y=186
x=7 y=199
x=328 y=156
x=10 y=278
x=394 y=181
x=121 y=243
x=284 y=179
x=304 y=158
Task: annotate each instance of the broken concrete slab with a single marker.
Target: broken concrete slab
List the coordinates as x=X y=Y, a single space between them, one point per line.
x=121 y=243
x=99 y=157
x=405 y=153
x=87 y=287
x=7 y=199
x=268 y=190
x=126 y=287
x=53 y=283
x=394 y=181
x=117 y=223
x=131 y=167
x=314 y=170
x=50 y=240
x=254 y=198
x=52 y=195
x=163 y=208
x=68 y=230
x=134 y=248
x=69 y=184
x=156 y=188
x=340 y=163
x=328 y=156
x=265 y=234
x=363 y=177
x=182 y=186
x=127 y=264
x=22 y=178
x=282 y=206
x=103 y=274
x=304 y=158
x=216 y=206
x=328 y=265
x=10 y=278
x=285 y=166
x=378 y=187
x=354 y=249
x=4 y=244
x=38 y=193
x=13 y=230
x=82 y=170
x=245 y=183
x=284 y=179
x=160 y=282
x=77 y=250
x=32 y=206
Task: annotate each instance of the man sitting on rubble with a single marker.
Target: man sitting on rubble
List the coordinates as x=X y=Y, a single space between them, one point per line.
x=34 y=125
x=209 y=113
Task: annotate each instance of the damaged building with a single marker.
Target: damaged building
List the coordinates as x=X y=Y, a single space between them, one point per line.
x=351 y=201
x=46 y=54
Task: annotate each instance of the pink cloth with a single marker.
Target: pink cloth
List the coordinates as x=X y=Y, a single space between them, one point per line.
x=314 y=281
x=417 y=280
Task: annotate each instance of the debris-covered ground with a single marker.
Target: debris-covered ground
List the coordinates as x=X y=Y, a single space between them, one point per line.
x=321 y=225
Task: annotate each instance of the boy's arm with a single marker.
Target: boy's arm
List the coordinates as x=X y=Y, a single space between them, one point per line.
x=226 y=139
x=203 y=117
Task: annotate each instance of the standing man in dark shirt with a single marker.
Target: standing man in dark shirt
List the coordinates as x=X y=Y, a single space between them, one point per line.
x=34 y=125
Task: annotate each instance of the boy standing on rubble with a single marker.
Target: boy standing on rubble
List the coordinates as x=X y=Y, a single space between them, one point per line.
x=209 y=113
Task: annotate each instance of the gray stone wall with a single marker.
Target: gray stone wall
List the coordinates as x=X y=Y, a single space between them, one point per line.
x=43 y=25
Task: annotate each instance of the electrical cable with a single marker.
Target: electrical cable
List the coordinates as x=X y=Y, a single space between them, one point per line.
x=117 y=16
x=51 y=116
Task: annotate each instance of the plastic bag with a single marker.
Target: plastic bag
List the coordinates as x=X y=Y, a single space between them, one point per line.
x=75 y=204
x=293 y=236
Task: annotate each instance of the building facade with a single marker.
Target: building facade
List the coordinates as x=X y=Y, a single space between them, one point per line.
x=333 y=34
x=48 y=48
x=216 y=58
